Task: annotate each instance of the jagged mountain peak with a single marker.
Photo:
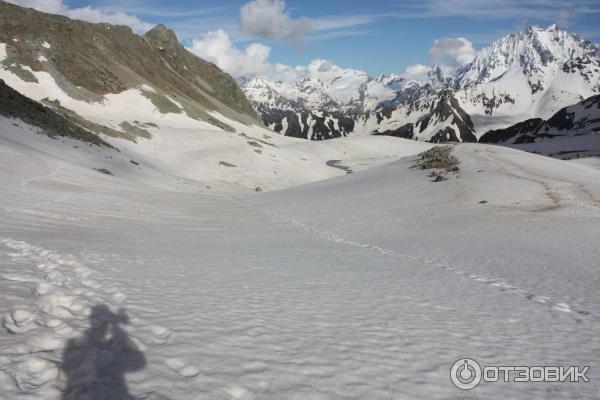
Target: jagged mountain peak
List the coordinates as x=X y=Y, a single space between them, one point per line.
x=532 y=51
x=383 y=78
x=161 y=34
x=448 y=120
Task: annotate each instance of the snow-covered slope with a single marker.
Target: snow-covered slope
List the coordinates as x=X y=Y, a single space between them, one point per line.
x=572 y=132
x=366 y=286
x=155 y=106
x=531 y=74
x=193 y=154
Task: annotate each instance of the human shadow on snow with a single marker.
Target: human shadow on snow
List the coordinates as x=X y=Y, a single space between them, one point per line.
x=95 y=364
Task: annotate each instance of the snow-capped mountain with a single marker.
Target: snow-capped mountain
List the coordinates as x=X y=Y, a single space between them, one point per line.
x=327 y=87
x=351 y=92
x=445 y=121
x=268 y=96
x=531 y=74
x=347 y=94
x=535 y=53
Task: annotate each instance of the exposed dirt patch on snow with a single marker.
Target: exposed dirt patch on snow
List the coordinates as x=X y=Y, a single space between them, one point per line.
x=440 y=160
x=439 y=157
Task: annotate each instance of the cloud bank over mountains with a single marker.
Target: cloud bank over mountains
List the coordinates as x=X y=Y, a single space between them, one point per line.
x=217 y=47
x=269 y=19
x=253 y=60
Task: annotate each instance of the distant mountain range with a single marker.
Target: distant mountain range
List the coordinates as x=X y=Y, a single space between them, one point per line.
x=531 y=74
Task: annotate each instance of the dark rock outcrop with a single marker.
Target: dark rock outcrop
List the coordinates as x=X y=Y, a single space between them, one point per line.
x=522 y=129
x=405 y=131
x=15 y=105
x=308 y=125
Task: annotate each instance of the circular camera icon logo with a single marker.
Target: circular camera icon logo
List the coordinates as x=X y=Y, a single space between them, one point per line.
x=465 y=374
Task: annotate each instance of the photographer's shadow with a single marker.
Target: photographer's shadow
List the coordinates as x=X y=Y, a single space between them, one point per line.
x=96 y=363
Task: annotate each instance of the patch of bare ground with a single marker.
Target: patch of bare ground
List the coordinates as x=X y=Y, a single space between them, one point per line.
x=440 y=160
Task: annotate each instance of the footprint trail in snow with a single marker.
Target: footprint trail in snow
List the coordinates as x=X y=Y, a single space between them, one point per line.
x=52 y=300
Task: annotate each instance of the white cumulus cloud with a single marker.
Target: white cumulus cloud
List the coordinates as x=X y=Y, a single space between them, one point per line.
x=253 y=60
x=416 y=72
x=327 y=71
x=287 y=73
x=268 y=19
x=88 y=13
x=217 y=47
x=447 y=53
x=455 y=52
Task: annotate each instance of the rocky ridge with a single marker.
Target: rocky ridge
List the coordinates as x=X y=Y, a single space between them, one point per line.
x=90 y=61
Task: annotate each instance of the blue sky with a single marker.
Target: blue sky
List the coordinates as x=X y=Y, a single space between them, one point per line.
x=376 y=36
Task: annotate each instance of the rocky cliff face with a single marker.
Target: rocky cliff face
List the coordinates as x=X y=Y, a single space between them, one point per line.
x=442 y=120
x=310 y=125
x=195 y=70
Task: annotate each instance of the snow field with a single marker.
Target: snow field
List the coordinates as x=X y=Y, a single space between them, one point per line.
x=64 y=294
x=369 y=285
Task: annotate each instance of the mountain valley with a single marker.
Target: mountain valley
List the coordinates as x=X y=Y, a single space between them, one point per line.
x=170 y=232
